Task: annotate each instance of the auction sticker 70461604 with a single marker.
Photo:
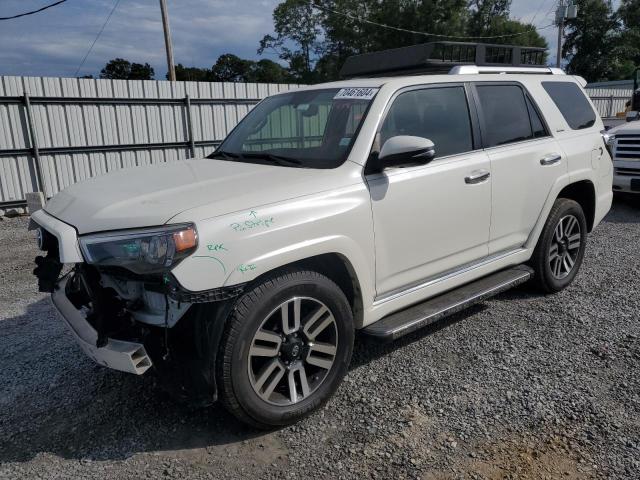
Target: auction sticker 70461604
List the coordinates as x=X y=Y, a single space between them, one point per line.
x=356 y=93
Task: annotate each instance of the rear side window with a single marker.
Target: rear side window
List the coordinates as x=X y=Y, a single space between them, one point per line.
x=506 y=115
x=572 y=103
x=440 y=114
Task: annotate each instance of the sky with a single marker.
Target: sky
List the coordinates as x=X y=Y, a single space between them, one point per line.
x=54 y=42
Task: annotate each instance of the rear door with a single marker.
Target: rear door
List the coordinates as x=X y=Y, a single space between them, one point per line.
x=525 y=161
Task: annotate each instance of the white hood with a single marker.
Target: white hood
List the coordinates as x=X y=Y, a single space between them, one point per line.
x=152 y=195
x=632 y=128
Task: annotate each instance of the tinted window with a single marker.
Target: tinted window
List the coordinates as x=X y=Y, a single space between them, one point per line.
x=439 y=114
x=506 y=117
x=572 y=103
x=538 y=127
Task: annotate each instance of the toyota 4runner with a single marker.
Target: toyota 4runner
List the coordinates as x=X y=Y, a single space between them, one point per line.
x=381 y=203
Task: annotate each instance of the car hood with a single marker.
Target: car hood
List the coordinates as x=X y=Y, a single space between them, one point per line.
x=632 y=128
x=152 y=195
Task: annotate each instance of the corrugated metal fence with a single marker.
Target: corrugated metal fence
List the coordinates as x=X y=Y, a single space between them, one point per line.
x=57 y=131
x=608 y=100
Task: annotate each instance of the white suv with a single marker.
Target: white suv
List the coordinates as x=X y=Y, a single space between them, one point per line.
x=624 y=142
x=373 y=204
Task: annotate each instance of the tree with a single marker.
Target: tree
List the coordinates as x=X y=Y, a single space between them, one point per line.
x=230 y=68
x=315 y=41
x=485 y=14
x=268 y=71
x=141 y=72
x=192 y=74
x=592 y=41
x=297 y=27
x=629 y=47
x=121 y=69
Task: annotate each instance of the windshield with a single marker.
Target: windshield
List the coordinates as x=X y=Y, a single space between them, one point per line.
x=310 y=129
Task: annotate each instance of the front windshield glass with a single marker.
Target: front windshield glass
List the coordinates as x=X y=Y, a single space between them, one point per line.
x=310 y=129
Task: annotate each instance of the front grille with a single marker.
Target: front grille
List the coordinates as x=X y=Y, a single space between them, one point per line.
x=628 y=172
x=627 y=147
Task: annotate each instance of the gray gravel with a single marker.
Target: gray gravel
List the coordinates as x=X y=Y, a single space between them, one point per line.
x=522 y=386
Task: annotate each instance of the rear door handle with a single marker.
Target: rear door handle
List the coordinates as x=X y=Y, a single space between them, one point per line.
x=550 y=159
x=477 y=176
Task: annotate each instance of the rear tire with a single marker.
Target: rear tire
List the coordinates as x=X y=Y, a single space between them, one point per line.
x=560 y=249
x=286 y=347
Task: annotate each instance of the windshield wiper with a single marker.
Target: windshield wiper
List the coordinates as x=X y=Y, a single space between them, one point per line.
x=277 y=159
x=223 y=154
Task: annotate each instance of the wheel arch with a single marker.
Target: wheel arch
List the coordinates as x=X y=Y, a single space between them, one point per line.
x=338 y=269
x=584 y=193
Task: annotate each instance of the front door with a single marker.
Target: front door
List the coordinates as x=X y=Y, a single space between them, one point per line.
x=430 y=219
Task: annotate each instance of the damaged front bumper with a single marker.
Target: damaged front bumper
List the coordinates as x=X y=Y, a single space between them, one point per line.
x=116 y=354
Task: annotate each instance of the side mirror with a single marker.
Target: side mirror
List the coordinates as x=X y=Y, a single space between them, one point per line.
x=406 y=150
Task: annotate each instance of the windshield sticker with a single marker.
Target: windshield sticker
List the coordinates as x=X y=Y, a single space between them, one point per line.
x=356 y=93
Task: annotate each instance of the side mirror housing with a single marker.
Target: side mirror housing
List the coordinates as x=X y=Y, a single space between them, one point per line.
x=405 y=150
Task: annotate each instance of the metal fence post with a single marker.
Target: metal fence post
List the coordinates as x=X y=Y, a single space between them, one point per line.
x=610 y=106
x=192 y=146
x=34 y=146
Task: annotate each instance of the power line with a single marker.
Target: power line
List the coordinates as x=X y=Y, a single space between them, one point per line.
x=33 y=11
x=542 y=4
x=84 y=59
x=427 y=34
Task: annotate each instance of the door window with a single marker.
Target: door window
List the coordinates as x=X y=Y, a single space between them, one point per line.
x=439 y=114
x=505 y=113
x=539 y=130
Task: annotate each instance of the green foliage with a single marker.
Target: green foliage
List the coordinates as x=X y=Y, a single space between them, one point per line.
x=231 y=68
x=602 y=44
x=296 y=23
x=629 y=16
x=121 y=69
x=315 y=42
x=191 y=74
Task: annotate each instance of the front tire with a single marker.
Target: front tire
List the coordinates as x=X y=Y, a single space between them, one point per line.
x=286 y=347
x=561 y=246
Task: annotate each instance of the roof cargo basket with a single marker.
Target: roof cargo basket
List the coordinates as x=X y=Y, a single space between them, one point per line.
x=440 y=57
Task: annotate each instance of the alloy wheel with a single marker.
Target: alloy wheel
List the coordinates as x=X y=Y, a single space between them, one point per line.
x=565 y=246
x=293 y=351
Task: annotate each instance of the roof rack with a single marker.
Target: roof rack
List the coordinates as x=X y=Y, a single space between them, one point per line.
x=440 y=57
x=474 y=70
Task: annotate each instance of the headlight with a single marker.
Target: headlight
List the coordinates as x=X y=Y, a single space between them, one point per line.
x=145 y=251
x=609 y=141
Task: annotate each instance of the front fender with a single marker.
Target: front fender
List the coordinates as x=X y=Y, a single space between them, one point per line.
x=240 y=246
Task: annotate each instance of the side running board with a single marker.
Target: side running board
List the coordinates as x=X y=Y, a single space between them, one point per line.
x=413 y=318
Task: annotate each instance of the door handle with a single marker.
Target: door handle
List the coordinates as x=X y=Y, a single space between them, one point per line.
x=550 y=159
x=478 y=176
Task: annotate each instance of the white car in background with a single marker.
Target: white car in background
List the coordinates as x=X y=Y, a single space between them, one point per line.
x=380 y=204
x=624 y=143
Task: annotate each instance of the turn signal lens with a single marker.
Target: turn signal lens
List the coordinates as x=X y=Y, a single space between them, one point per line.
x=185 y=239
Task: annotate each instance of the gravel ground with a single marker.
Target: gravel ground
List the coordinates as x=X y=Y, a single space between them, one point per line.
x=522 y=386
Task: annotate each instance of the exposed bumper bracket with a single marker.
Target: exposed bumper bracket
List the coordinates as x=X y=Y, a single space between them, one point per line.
x=116 y=354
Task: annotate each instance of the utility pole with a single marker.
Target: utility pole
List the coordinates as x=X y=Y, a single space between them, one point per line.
x=566 y=9
x=167 y=40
